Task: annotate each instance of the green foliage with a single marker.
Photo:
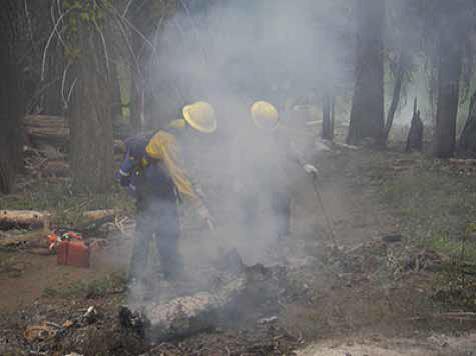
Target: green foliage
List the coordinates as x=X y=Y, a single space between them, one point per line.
x=66 y=207
x=111 y=284
x=434 y=204
x=88 y=13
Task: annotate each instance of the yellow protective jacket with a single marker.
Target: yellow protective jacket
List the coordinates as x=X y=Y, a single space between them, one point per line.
x=164 y=148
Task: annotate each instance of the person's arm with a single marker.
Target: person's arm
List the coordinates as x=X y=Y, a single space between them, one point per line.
x=294 y=155
x=124 y=173
x=164 y=147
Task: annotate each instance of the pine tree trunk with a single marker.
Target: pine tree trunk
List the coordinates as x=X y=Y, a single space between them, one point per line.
x=90 y=117
x=467 y=142
x=11 y=97
x=52 y=98
x=367 y=113
x=449 y=72
x=135 y=107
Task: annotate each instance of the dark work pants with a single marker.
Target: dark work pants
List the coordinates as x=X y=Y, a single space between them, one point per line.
x=281 y=205
x=156 y=219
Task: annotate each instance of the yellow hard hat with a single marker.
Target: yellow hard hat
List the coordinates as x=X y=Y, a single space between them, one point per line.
x=201 y=116
x=264 y=114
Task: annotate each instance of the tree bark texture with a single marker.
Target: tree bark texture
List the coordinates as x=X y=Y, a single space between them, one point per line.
x=415 y=135
x=11 y=95
x=449 y=72
x=90 y=117
x=367 y=112
x=467 y=142
x=396 y=96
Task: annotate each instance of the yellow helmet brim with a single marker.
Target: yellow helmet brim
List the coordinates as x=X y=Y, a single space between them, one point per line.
x=207 y=126
x=264 y=115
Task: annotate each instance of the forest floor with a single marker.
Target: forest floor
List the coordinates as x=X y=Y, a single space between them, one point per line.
x=397 y=276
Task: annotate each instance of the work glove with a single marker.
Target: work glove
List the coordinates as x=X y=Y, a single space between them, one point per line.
x=207 y=217
x=310 y=169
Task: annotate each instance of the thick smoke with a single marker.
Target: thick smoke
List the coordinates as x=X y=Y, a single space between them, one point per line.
x=231 y=55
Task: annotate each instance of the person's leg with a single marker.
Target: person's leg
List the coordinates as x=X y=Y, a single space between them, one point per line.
x=167 y=236
x=281 y=204
x=144 y=231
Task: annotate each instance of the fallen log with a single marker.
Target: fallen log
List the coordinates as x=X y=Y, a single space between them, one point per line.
x=462 y=162
x=23 y=218
x=184 y=316
x=189 y=315
x=44 y=128
x=56 y=168
x=99 y=214
x=10 y=240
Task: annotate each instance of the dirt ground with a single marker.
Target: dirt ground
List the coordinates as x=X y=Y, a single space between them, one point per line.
x=349 y=292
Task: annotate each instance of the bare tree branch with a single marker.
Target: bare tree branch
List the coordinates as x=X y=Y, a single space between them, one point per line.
x=55 y=28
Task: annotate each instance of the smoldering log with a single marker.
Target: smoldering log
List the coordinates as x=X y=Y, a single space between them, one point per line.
x=188 y=315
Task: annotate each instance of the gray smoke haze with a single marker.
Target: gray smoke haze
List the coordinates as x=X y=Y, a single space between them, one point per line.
x=231 y=55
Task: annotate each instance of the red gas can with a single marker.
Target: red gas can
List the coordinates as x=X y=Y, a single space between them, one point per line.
x=73 y=253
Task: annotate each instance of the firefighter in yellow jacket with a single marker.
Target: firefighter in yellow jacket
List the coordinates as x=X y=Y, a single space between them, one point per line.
x=152 y=172
x=270 y=167
x=261 y=182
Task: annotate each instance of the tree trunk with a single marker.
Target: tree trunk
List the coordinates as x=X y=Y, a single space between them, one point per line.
x=396 y=96
x=136 y=107
x=467 y=141
x=449 y=72
x=116 y=108
x=90 y=117
x=415 y=135
x=52 y=97
x=328 y=117
x=367 y=113
x=11 y=97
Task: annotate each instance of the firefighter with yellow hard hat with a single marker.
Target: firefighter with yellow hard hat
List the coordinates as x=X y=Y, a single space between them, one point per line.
x=272 y=159
x=261 y=184
x=153 y=173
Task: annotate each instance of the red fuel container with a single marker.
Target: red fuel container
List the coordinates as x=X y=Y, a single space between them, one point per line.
x=73 y=253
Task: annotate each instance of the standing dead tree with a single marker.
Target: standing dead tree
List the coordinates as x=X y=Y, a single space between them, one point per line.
x=398 y=70
x=328 y=117
x=415 y=135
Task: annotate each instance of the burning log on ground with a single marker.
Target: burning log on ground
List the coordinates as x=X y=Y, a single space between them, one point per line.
x=185 y=316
